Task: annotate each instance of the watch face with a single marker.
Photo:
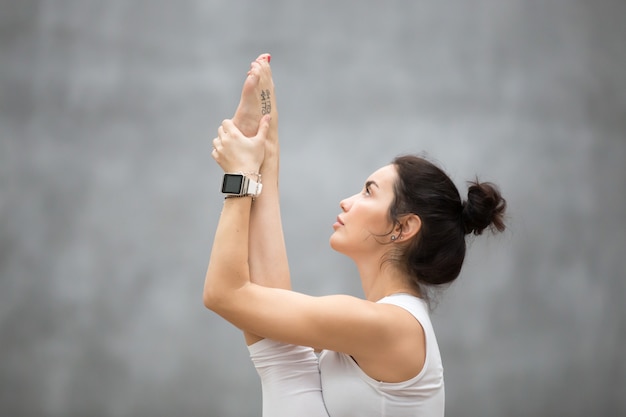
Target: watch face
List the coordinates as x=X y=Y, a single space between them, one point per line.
x=232 y=183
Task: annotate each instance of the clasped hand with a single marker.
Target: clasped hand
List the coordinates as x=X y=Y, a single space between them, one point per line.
x=235 y=152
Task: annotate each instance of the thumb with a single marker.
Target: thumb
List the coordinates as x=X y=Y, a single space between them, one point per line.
x=264 y=127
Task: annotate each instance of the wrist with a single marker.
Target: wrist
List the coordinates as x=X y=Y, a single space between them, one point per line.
x=269 y=170
x=250 y=169
x=270 y=163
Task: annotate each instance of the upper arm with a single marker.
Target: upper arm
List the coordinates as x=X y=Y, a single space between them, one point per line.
x=339 y=322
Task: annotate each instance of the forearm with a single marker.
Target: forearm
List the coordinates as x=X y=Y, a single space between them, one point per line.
x=267 y=252
x=228 y=267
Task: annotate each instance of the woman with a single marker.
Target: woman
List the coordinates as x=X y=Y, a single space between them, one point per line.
x=405 y=231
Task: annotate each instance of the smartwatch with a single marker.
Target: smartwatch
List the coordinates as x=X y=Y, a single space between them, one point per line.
x=238 y=185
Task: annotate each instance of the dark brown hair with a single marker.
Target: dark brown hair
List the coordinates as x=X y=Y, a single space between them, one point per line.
x=435 y=256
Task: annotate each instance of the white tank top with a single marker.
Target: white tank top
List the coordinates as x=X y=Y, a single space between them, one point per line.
x=350 y=392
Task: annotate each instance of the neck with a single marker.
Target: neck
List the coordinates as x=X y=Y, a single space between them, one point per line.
x=379 y=282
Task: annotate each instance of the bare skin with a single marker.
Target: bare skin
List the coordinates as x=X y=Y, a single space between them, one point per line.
x=267 y=253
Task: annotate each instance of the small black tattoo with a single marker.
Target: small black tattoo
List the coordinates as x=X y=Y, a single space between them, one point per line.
x=266 y=105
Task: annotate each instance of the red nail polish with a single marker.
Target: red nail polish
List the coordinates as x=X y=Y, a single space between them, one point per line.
x=269 y=58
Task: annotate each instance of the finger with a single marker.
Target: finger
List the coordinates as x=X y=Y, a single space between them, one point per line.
x=254 y=64
x=217 y=143
x=264 y=127
x=230 y=127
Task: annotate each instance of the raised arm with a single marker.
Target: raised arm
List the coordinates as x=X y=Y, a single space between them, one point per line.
x=267 y=255
x=229 y=268
x=289 y=374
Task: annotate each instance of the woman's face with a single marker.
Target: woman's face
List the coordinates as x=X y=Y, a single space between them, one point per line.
x=363 y=225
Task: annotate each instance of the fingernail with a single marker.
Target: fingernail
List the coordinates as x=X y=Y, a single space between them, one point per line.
x=269 y=58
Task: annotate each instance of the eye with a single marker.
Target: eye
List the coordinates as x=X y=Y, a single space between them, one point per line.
x=367 y=189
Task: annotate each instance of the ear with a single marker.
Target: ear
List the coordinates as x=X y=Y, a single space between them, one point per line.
x=409 y=226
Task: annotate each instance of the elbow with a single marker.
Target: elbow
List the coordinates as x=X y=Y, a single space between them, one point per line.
x=211 y=298
x=206 y=299
x=214 y=290
x=211 y=293
x=218 y=298
x=221 y=294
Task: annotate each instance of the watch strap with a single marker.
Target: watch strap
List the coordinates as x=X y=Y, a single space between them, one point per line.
x=254 y=188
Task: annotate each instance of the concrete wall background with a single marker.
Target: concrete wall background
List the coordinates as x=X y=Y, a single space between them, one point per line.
x=109 y=197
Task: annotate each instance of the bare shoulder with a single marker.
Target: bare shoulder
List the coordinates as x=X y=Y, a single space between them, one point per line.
x=401 y=353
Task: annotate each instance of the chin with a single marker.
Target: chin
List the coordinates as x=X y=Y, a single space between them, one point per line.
x=333 y=242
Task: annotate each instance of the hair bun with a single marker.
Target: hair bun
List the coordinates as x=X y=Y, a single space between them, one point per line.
x=483 y=209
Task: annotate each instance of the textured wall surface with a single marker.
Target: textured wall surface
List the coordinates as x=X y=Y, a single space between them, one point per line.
x=109 y=197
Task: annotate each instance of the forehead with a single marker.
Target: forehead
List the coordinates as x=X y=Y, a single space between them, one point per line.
x=385 y=176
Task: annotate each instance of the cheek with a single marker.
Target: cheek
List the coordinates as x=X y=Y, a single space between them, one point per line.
x=378 y=224
x=372 y=231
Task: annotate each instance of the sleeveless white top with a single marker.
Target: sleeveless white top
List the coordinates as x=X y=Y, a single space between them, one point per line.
x=350 y=392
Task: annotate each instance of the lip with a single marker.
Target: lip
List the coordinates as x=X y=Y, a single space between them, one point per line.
x=338 y=223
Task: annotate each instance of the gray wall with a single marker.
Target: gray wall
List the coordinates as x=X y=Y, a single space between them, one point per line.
x=109 y=197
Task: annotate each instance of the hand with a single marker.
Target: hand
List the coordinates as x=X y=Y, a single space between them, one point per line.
x=235 y=152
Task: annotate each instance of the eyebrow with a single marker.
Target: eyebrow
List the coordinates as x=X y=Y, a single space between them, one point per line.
x=370 y=182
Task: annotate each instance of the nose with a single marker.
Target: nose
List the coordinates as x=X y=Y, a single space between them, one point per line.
x=346 y=203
